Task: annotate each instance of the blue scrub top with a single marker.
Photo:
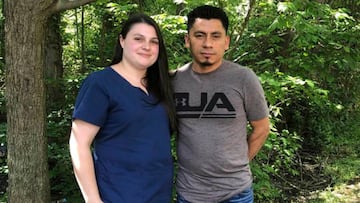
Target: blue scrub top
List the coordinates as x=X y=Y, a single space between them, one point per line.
x=132 y=152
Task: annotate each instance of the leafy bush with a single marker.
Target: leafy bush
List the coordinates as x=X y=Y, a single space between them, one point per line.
x=289 y=98
x=310 y=44
x=62 y=179
x=174 y=29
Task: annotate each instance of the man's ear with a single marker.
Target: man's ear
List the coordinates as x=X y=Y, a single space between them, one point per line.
x=187 y=43
x=227 y=45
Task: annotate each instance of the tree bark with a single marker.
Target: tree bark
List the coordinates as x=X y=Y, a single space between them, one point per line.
x=25 y=23
x=27 y=148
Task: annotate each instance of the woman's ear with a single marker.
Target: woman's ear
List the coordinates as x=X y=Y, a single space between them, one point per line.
x=121 y=40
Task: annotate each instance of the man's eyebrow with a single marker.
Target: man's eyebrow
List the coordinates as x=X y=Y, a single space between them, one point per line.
x=212 y=33
x=199 y=32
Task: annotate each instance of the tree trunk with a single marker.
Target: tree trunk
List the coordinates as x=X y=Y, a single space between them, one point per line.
x=25 y=22
x=53 y=64
x=25 y=93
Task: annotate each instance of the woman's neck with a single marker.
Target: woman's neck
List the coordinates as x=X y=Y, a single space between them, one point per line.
x=134 y=76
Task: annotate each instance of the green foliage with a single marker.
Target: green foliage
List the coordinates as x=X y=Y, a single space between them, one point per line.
x=345 y=153
x=305 y=53
x=121 y=10
x=264 y=190
x=174 y=30
x=296 y=104
x=307 y=39
x=101 y=29
x=289 y=97
x=343 y=165
x=61 y=174
x=62 y=178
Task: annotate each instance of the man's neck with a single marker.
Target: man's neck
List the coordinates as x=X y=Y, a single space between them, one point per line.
x=204 y=68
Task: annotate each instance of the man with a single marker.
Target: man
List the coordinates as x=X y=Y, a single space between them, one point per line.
x=215 y=100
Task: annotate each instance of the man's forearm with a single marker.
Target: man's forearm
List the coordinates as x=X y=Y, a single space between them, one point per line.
x=257 y=138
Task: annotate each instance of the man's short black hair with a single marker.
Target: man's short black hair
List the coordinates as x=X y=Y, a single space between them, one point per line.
x=207 y=12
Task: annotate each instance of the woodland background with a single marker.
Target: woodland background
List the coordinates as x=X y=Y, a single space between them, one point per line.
x=305 y=52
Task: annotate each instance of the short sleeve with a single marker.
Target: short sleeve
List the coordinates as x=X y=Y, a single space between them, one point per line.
x=92 y=102
x=255 y=103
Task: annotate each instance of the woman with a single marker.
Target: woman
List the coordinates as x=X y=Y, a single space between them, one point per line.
x=126 y=111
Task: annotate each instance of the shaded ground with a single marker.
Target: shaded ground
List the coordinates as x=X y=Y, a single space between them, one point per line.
x=349 y=192
x=343 y=193
x=315 y=184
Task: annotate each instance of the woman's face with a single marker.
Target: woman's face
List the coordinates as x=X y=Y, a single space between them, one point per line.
x=140 y=46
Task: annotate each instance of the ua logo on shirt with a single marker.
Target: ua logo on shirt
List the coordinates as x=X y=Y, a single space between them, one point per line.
x=206 y=108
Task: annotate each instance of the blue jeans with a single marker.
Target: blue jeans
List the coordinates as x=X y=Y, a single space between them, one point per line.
x=246 y=196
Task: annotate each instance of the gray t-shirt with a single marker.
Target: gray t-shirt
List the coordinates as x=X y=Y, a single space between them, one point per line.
x=213 y=110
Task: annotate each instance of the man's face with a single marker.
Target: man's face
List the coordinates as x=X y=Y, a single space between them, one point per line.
x=208 y=42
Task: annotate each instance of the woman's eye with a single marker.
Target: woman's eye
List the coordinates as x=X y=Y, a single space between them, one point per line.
x=155 y=42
